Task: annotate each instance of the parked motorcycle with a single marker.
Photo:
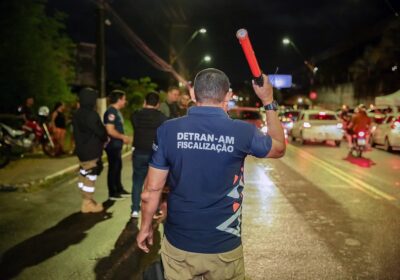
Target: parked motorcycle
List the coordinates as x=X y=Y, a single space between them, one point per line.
x=13 y=142
x=5 y=151
x=40 y=131
x=33 y=133
x=359 y=141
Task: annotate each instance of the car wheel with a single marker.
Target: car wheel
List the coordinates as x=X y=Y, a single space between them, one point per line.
x=302 y=141
x=337 y=143
x=387 y=146
x=373 y=144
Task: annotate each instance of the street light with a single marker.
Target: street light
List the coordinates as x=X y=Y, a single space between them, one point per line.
x=286 y=41
x=207 y=58
x=310 y=66
x=192 y=37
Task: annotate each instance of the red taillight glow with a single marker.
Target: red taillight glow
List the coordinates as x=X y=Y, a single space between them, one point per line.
x=306 y=125
x=361 y=134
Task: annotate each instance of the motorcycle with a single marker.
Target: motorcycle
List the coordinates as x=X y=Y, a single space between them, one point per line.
x=40 y=131
x=5 y=150
x=33 y=133
x=359 y=143
x=13 y=142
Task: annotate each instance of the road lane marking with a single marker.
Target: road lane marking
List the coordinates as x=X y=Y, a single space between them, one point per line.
x=354 y=182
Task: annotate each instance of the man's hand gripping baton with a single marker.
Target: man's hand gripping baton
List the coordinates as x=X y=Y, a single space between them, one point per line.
x=244 y=40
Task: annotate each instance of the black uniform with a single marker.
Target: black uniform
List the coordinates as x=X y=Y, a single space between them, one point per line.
x=113 y=150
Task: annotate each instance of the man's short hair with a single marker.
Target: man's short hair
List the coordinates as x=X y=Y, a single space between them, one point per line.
x=211 y=86
x=152 y=98
x=115 y=95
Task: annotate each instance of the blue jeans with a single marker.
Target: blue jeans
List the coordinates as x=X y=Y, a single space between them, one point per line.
x=140 y=167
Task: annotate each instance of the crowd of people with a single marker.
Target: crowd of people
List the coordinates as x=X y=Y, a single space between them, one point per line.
x=90 y=130
x=194 y=153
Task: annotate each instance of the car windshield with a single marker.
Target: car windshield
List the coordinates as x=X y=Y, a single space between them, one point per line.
x=244 y=115
x=321 y=117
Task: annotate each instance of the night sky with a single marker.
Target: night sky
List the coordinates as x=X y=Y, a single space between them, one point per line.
x=314 y=26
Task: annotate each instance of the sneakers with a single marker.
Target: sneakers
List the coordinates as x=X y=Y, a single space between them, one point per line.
x=124 y=193
x=135 y=214
x=116 y=197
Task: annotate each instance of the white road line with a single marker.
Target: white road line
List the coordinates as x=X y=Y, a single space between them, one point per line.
x=354 y=182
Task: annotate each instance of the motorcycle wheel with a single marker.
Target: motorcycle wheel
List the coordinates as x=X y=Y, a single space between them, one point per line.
x=5 y=153
x=49 y=150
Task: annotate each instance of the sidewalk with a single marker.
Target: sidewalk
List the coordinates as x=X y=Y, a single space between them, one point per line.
x=37 y=169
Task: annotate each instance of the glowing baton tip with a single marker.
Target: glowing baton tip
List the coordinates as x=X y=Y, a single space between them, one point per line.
x=241 y=33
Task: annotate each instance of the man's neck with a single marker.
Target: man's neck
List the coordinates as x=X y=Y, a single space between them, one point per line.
x=115 y=105
x=218 y=105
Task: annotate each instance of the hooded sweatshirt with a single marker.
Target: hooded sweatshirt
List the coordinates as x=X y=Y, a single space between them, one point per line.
x=89 y=132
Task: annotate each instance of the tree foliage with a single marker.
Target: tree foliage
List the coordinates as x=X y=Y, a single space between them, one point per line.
x=136 y=91
x=372 y=72
x=36 y=56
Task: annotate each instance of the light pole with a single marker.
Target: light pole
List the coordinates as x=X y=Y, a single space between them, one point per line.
x=192 y=37
x=310 y=66
x=101 y=57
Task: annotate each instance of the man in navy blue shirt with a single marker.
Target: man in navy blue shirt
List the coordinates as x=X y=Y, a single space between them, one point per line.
x=114 y=123
x=202 y=156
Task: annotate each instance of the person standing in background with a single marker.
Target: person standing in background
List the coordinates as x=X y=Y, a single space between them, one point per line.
x=90 y=136
x=114 y=123
x=170 y=107
x=145 y=123
x=58 y=124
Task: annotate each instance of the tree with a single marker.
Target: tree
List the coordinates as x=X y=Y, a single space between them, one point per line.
x=372 y=73
x=36 y=57
x=136 y=91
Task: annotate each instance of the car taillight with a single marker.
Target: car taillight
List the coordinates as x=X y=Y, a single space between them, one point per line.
x=361 y=134
x=306 y=125
x=395 y=125
x=339 y=125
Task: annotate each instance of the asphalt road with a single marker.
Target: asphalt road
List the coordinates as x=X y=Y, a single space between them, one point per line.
x=314 y=214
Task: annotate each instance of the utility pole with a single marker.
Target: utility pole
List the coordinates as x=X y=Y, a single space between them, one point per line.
x=100 y=59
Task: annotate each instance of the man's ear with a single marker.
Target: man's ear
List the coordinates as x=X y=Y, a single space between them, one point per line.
x=192 y=96
x=228 y=96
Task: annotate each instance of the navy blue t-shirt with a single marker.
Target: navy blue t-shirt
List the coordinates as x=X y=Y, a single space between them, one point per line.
x=204 y=153
x=114 y=116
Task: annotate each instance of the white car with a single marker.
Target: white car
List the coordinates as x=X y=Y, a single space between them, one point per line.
x=388 y=133
x=318 y=126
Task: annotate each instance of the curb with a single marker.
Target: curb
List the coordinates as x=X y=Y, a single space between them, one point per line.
x=56 y=178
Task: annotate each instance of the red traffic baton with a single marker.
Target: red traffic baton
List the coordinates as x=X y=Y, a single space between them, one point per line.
x=244 y=41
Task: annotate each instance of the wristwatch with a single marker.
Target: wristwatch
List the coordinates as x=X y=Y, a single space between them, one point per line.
x=272 y=106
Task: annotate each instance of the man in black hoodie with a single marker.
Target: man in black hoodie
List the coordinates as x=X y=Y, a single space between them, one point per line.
x=90 y=137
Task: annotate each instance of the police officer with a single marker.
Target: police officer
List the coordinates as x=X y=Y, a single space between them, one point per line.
x=114 y=123
x=202 y=155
